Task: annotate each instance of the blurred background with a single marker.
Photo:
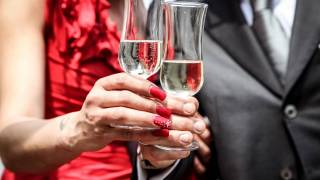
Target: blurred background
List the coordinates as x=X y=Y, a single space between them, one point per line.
x=1 y=168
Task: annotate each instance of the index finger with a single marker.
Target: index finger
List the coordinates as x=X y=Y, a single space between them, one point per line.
x=137 y=85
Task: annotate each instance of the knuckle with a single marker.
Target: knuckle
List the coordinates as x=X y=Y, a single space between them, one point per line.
x=120 y=79
x=92 y=117
x=92 y=99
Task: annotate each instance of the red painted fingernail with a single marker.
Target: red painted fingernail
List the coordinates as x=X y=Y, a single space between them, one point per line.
x=158 y=93
x=161 y=132
x=163 y=111
x=163 y=123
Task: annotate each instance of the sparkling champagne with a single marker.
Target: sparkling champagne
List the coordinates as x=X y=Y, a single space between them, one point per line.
x=182 y=77
x=140 y=57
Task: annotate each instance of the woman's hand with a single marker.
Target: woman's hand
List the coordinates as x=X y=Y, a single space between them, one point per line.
x=122 y=99
x=162 y=159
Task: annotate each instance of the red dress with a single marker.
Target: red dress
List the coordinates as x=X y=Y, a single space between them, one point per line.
x=81 y=47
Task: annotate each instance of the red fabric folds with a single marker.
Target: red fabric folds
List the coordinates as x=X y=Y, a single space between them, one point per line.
x=81 y=47
x=83 y=31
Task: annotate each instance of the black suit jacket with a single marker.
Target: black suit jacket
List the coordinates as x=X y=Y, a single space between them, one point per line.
x=262 y=130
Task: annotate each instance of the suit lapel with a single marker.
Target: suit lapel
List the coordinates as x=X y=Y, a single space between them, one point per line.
x=304 y=41
x=229 y=29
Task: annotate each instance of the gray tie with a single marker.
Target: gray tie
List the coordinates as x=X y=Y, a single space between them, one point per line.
x=271 y=35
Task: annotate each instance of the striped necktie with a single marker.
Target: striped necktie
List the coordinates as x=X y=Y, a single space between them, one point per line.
x=271 y=35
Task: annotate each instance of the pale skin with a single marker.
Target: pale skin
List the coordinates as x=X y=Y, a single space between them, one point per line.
x=30 y=143
x=163 y=159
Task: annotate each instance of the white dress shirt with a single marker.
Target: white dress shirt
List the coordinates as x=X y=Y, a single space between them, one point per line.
x=284 y=11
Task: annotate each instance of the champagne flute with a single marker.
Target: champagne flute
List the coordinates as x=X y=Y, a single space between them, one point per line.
x=182 y=70
x=141 y=49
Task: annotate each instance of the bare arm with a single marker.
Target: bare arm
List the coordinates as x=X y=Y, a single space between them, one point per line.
x=22 y=90
x=29 y=143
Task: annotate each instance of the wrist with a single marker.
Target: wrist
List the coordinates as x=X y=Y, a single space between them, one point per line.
x=68 y=134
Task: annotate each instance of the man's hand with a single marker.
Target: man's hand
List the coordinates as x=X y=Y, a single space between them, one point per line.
x=203 y=154
x=158 y=158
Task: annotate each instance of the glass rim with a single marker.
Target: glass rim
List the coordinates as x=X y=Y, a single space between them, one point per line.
x=186 y=4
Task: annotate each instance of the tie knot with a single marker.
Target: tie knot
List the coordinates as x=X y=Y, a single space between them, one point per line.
x=258 y=5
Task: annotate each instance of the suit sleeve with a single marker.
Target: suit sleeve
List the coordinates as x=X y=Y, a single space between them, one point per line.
x=182 y=169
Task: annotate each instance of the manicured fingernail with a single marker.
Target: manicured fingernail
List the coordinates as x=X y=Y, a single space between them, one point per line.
x=163 y=123
x=161 y=132
x=186 y=138
x=189 y=108
x=199 y=127
x=158 y=93
x=163 y=111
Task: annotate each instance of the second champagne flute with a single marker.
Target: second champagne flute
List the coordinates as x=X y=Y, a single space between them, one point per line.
x=182 y=70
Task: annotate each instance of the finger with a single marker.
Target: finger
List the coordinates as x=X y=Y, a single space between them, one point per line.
x=187 y=106
x=160 y=137
x=175 y=139
x=127 y=117
x=198 y=116
x=206 y=136
x=123 y=81
x=159 y=164
x=125 y=98
x=187 y=124
x=154 y=154
x=198 y=166
x=204 y=150
x=139 y=135
x=132 y=117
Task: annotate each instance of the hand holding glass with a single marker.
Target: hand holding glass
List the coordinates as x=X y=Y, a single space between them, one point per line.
x=182 y=70
x=141 y=49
